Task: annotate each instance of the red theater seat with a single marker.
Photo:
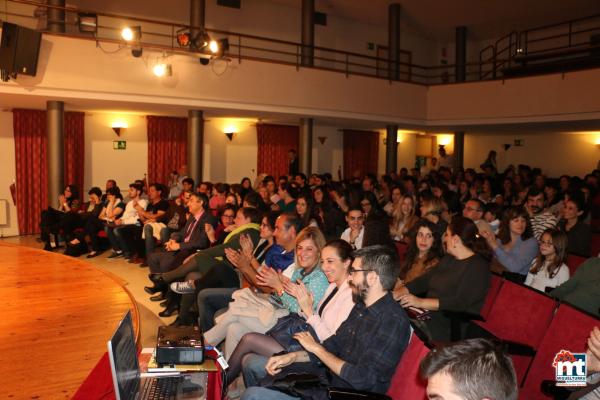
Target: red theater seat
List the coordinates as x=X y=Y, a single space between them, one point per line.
x=573 y=262
x=569 y=330
x=406 y=382
x=522 y=315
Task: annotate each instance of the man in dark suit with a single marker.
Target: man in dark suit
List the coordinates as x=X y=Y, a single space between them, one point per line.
x=186 y=241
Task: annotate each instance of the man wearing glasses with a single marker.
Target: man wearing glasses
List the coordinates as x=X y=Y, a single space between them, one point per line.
x=474 y=211
x=366 y=348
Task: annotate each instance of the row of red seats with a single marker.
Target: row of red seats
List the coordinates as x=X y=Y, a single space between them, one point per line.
x=518 y=314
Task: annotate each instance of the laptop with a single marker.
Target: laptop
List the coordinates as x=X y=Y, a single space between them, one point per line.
x=127 y=380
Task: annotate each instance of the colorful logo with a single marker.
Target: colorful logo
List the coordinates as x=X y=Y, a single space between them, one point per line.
x=570 y=368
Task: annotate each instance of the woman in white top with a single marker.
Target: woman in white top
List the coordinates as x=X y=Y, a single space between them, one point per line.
x=332 y=310
x=548 y=269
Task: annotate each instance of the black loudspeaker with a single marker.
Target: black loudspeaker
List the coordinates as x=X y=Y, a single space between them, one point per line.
x=19 y=51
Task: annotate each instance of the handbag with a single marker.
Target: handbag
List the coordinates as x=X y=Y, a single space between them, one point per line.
x=303 y=380
x=285 y=329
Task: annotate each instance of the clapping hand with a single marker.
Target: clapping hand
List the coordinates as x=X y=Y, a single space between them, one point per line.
x=247 y=247
x=305 y=298
x=270 y=278
x=234 y=257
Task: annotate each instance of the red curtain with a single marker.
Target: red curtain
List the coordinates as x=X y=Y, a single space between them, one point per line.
x=29 y=128
x=167 y=146
x=361 y=152
x=30 y=155
x=74 y=150
x=274 y=143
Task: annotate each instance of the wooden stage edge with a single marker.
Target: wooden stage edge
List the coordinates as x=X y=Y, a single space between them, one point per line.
x=58 y=314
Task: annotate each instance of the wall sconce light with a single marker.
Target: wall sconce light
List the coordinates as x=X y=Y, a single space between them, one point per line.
x=322 y=139
x=118 y=126
x=162 y=69
x=507 y=146
x=229 y=135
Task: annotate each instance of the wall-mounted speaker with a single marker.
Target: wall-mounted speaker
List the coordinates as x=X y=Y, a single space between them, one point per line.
x=19 y=51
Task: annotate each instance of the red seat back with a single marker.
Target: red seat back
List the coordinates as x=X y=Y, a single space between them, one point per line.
x=406 y=382
x=595 y=244
x=573 y=262
x=520 y=314
x=495 y=285
x=569 y=330
x=401 y=248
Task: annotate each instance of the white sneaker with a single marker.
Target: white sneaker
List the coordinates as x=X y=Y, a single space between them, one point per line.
x=183 y=287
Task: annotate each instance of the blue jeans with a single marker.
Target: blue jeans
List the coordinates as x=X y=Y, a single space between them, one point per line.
x=253 y=369
x=209 y=302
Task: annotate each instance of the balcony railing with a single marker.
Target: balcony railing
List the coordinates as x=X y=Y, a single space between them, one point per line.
x=161 y=36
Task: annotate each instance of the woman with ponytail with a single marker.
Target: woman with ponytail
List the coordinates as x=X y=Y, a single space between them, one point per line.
x=459 y=283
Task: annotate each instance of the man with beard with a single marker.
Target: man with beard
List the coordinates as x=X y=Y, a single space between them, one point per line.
x=540 y=220
x=366 y=348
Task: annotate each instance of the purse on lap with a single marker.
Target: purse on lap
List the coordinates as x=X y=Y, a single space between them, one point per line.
x=285 y=329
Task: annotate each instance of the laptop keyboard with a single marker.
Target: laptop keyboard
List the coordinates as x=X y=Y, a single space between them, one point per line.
x=160 y=388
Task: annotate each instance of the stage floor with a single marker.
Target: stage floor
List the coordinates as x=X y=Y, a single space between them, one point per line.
x=57 y=315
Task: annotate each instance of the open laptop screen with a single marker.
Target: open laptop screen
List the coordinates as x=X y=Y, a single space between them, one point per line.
x=123 y=360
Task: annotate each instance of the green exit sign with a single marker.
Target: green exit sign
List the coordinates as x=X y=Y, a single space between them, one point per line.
x=119 y=144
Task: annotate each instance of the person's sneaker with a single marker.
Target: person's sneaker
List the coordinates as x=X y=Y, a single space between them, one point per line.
x=116 y=254
x=183 y=287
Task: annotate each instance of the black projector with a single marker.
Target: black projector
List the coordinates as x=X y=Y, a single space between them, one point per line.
x=179 y=345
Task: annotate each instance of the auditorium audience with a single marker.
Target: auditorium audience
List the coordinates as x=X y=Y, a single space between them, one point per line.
x=355 y=232
x=549 y=268
x=515 y=247
x=348 y=359
x=128 y=220
x=541 y=219
x=459 y=283
x=473 y=369
x=582 y=290
x=249 y=313
x=53 y=220
x=403 y=218
x=578 y=232
x=332 y=310
x=424 y=252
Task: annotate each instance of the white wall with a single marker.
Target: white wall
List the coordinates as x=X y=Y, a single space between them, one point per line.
x=7 y=172
x=102 y=162
x=569 y=153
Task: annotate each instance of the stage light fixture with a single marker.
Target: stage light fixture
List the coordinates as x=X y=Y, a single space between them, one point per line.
x=213 y=46
x=131 y=33
x=162 y=69
x=87 y=22
x=183 y=39
x=200 y=41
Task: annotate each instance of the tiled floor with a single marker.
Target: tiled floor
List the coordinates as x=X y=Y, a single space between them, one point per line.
x=136 y=279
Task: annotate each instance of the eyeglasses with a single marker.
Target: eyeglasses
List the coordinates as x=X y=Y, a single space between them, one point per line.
x=473 y=209
x=352 y=270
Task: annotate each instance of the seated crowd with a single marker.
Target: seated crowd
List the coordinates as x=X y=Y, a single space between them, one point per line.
x=303 y=275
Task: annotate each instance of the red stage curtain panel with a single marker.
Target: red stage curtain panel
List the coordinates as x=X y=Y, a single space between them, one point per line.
x=274 y=143
x=167 y=146
x=29 y=128
x=361 y=152
x=75 y=150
